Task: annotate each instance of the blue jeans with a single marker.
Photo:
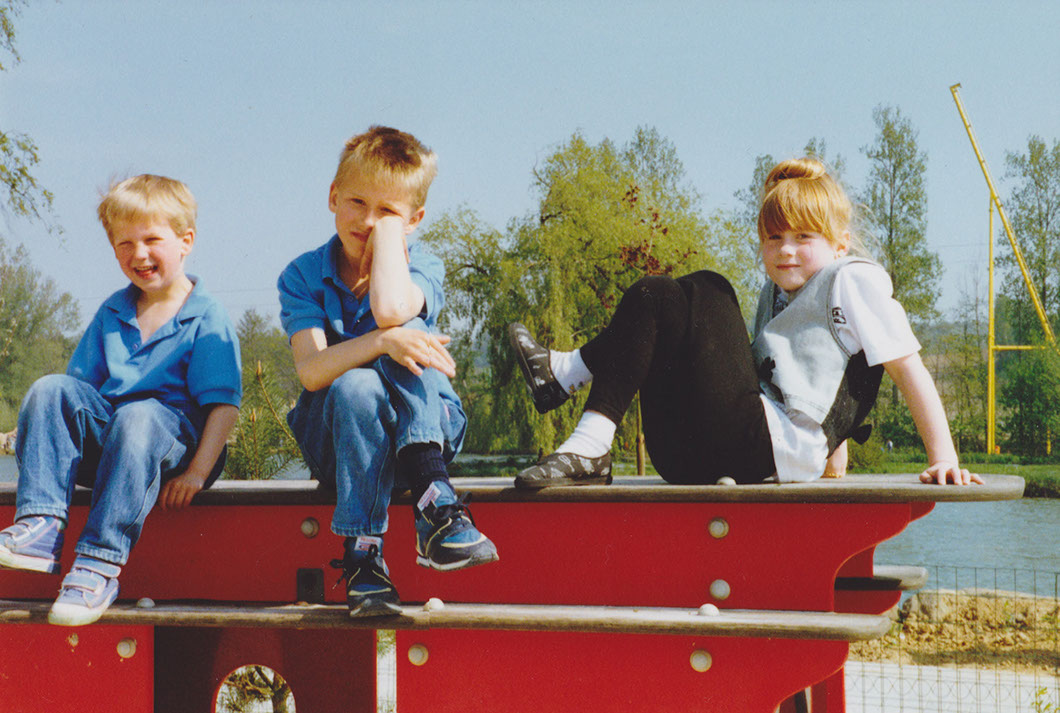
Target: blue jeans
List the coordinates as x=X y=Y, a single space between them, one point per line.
x=350 y=432
x=68 y=434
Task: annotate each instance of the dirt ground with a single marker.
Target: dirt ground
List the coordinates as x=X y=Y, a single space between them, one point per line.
x=1004 y=630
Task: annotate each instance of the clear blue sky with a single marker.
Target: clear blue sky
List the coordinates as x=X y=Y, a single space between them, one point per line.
x=249 y=103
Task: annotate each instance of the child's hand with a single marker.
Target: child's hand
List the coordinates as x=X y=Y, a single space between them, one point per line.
x=177 y=493
x=412 y=348
x=944 y=472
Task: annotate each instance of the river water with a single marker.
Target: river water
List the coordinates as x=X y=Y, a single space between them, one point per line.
x=1012 y=544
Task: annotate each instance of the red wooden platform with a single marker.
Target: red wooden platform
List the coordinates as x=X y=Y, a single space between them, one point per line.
x=637 y=543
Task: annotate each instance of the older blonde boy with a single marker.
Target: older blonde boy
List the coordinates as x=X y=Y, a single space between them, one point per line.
x=142 y=414
x=360 y=312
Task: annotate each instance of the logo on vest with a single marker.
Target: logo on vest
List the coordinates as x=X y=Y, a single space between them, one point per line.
x=837 y=316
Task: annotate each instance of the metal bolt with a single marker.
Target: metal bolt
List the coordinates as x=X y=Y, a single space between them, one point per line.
x=310 y=527
x=127 y=648
x=719 y=527
x=700 y=660
x=418 y=654
x=719 y=589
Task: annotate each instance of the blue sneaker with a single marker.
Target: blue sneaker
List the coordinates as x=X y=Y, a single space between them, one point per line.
x=33 y=543
x=446 y=536
x=87 y=590
x=369 y=591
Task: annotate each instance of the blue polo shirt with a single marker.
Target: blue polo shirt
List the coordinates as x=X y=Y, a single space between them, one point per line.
x=313 y=295
x=190 y=362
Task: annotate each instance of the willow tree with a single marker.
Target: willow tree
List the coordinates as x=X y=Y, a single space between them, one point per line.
x=23 y=196
x=606 y=215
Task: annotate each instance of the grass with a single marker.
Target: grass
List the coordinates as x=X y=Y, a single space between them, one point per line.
x=1043 y=480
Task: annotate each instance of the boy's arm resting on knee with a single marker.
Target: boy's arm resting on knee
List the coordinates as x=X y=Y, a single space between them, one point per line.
x=318 y=365
x=178 y=492
x=925 y=406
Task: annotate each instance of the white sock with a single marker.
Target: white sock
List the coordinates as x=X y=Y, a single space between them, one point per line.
x=592 y=436
x=569 y=369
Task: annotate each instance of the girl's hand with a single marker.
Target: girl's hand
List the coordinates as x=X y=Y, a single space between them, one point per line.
x=177 y=493
x=944 y=472
x=414 y=349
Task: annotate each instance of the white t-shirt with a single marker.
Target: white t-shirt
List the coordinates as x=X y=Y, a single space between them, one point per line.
x=875 y=323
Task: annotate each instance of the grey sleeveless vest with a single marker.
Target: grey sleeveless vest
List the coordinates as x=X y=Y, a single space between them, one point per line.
x=801 y=362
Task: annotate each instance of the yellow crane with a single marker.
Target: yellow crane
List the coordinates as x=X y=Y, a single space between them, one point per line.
x=992 y=346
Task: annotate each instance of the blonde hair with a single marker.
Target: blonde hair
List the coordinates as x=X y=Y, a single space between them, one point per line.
x=148 y=197
x=801 y=196
x=391 y=157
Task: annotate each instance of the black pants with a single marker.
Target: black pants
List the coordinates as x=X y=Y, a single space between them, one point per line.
x=683 y=344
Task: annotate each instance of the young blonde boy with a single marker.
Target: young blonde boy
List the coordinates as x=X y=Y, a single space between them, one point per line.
x=360 y=311
x=142 y=414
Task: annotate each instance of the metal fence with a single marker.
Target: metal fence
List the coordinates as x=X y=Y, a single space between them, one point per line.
x=973 y=640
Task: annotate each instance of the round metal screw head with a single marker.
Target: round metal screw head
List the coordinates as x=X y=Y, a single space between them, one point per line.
x=700 y=660
x=719 y=589
x=418 y=654
x=127 y=648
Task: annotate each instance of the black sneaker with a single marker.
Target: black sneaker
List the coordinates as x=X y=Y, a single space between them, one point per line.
x=369 y=591
x=565 y=469
x=533 y=361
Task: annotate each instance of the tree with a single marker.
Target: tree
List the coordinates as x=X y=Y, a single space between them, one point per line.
x=24 y=196
x=1029 y=398
x=1033 y=207
x=262 y=444
x=246 y=688
x=962 y=369
x=35 y=317
x=896 y=198
x=607 y=215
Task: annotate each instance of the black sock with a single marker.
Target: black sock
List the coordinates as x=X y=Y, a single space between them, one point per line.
x=421 y=464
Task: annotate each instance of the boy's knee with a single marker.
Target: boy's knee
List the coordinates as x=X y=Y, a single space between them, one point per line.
x=51 y=386
x=140 y=424
x=357 y=386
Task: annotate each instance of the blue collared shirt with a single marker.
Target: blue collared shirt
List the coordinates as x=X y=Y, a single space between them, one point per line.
x=313 y=295
x=190 y=362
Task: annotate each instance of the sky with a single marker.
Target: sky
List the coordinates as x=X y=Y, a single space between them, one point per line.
x=249 y=104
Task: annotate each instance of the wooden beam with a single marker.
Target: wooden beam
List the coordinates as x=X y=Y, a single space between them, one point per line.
x=507 y=617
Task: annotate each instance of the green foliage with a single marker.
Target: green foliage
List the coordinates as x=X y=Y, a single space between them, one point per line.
x=1033 y=209
x=607 y=216
x=34 y=319
x=9 y=9
x=25 y=197
x=890 y=418
x=1029 y=399
x=1043 y=702
x=896 y=198
x=262 y=445
x=247 y=688
x=866 y=457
